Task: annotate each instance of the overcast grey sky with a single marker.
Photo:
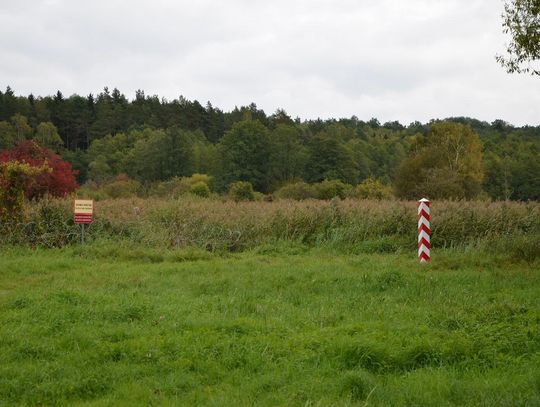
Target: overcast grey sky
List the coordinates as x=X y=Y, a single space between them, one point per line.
x=395 y=60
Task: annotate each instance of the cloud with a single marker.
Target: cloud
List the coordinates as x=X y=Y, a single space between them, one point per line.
x=394 y=60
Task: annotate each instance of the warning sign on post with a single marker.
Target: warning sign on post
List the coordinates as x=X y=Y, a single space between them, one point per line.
x=83 y=211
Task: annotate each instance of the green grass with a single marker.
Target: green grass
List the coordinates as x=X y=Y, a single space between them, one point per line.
x=278 y=325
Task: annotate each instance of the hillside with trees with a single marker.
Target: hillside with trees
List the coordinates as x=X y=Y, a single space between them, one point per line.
x=150 y=140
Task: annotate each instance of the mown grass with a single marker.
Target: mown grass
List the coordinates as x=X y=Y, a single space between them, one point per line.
x=282 y=324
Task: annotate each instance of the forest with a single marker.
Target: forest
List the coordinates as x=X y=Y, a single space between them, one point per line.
x=148 y=143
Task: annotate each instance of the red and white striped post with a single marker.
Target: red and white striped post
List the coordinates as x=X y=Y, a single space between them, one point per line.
x=424 y=231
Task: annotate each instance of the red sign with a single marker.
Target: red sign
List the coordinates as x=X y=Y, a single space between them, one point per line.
x=83 y=211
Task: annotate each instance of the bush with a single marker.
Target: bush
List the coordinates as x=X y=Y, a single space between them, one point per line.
x=297 y=191
x=241 y=191
x=122 y=187
x=372 y=188
x=15 y=178
x=332 y=189
x=119 y=187
x=200 y=189
x=58 y=181
x=196 y=178
x=176 y=187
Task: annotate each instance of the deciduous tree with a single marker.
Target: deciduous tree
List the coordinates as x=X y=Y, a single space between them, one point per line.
x=521 y=20
x=245 y=155
x=448 y=165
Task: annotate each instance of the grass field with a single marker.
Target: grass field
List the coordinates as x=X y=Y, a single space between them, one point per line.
x=276 y=325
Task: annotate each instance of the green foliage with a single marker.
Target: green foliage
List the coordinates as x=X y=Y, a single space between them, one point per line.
x=51 y=225
x=177 y=187
x=15 y=177
x=521 y=19
x=447 y=164
x=21 y=128
x=98 y=170
x=155 y=141
x=331 y=189
x=372 y=188
x=160 y=155
x=7 y=135
x=199 y=179
x=47 y=136
x=201 y=189
x=241 y=191
x=297 y=191
x=512 y=166
x=288 y=156
x=121 y=187
x=330 y=160
x=245 y=154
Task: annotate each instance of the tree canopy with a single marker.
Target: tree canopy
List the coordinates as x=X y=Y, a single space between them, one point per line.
x=151 y=140
x=521 y=20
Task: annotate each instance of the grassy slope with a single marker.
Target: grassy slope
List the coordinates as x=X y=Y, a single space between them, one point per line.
x=274 y=327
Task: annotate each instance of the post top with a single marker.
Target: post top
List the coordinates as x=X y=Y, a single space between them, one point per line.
x=423 y=200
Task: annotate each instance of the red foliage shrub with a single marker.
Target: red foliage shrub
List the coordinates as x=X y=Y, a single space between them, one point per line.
x=60 y=181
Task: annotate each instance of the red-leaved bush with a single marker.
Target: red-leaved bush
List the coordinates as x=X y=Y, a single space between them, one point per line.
x=59 y=181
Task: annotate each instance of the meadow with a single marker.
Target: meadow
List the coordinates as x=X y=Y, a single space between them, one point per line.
x=201 y=302
x=282 y=324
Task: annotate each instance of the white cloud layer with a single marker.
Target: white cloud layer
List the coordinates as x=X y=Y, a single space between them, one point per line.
x=394 y=60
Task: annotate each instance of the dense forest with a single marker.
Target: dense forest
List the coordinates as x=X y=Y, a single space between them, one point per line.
x=151 y=140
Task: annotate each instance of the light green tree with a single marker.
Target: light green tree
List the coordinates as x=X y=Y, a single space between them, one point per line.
x=47 y=136
x=98 y=170
x=448 y=165
x=22 y=130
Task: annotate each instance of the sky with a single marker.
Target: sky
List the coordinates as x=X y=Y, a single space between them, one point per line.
x=394 y=60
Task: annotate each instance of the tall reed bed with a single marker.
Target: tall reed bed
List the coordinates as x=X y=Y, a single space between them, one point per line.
x=235 y=226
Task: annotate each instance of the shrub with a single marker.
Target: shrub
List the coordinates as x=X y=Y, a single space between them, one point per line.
x=200 y=189
x=59 y=181
x=172 y=188
x=372 y=188
x=51 y=224
x=329 y=189
x=297 y=191
x=241 y=191
x=122 y=187
x=196 y=178
x=176 y=187
x=16 y=178
x=259 y=196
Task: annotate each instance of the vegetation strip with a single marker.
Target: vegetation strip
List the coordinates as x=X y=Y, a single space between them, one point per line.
x=279 y=325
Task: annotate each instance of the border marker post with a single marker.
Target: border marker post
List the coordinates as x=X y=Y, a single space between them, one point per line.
x=424 y=231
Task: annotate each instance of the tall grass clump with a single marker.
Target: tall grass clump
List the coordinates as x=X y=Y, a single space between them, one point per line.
x=352 y=224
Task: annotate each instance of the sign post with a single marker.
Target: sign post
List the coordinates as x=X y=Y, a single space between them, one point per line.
x=83 y=212
x=424 y=230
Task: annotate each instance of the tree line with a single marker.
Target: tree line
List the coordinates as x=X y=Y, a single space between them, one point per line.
x=152 y=139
